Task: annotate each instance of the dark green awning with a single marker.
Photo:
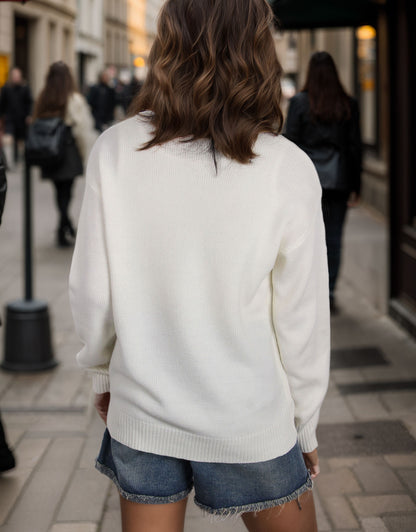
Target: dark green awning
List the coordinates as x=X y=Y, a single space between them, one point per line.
x=302 y=14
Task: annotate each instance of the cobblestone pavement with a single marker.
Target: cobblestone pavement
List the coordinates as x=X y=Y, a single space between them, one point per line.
x=368 y=422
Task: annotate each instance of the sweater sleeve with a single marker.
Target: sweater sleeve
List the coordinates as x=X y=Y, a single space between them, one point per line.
x=90 y=293
x=302 y=325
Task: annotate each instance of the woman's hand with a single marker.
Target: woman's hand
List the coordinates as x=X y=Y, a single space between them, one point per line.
x=101 y=403
x=312 y=463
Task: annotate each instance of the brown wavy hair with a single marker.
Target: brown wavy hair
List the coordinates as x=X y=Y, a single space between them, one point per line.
x=213 y=74
x=59 y=86
x=329 y=102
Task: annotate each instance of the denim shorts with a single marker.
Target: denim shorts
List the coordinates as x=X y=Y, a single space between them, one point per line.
x=220 y=489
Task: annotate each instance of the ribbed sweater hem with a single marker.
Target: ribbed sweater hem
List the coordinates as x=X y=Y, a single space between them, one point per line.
x=165 y=440
x=307 y=435
x=100 y=382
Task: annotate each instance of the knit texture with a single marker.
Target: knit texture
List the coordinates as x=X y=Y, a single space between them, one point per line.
x=201 y=296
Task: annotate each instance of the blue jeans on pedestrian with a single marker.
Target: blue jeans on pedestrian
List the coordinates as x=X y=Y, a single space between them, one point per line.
x=334 y=207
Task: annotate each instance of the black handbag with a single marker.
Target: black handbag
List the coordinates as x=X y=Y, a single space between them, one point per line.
x=45 y=143
x=327 y=162
x=71 y=164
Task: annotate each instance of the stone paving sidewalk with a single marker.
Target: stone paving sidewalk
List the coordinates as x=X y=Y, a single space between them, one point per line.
x=367 y=432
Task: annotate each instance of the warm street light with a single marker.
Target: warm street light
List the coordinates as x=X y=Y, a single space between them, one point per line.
x=139 y=62
x=365 y=33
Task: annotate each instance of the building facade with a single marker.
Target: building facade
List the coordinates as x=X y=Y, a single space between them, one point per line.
x=89 y=35
x=116 y=48
x=89 y=42
x=137 y=30
x=142 y=22
x=34 y=35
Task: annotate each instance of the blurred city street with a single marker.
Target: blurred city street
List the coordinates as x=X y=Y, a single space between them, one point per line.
x=368 y=422
x=367 y=431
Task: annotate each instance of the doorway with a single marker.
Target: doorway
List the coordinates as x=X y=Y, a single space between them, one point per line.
x=21 y=44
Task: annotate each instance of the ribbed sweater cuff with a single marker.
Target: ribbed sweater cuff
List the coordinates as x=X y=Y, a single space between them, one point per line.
x=307 y=435
x=100 y=382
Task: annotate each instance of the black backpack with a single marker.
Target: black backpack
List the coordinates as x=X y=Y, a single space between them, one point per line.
x=45 y=143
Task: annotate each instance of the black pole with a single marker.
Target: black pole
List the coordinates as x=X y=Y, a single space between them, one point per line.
x=27 y=339
x=28 y=233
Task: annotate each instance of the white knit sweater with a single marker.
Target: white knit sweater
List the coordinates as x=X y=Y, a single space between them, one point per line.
x=201 y=297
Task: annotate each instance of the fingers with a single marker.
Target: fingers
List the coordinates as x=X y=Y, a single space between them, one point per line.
x=101 y=403
x=312 y=463
x=102 y=414
x=314 y=471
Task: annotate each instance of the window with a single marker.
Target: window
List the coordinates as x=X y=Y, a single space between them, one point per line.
x=67 y=46
x=52 y=42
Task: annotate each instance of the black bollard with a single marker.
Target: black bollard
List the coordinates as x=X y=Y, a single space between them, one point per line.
x=27 y=345
x=27 y=340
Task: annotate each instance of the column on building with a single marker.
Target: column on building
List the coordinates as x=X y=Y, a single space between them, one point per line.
x=116 y=51
x=89 y=42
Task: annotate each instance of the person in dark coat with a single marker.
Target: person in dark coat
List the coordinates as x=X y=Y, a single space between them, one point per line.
x=133 y=89
x=59 y=98
x=102 y=100
x=7 y=460
x=324 y=121
x=126 y=92
x=16 y=107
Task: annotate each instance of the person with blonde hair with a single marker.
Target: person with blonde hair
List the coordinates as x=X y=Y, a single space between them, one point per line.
x=199 y=283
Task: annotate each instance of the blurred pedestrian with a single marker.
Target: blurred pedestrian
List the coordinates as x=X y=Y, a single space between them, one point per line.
x=199 y=283
x=59 y=98
x=102 y=100
x=324 y=121
x=7 y=460
x=133 y=89
x=121 y=93
x=127 y=89
x=15 y=108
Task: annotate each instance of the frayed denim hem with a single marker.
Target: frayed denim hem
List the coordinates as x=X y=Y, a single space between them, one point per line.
x=140 y=499
x=258 y=506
